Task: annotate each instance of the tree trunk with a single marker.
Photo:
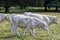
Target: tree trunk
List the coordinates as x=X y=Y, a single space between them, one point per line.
x=22 y=4
x=56 y=8
x=45 y=8
x=6 y=9
x=45 y=5
x=7 y=6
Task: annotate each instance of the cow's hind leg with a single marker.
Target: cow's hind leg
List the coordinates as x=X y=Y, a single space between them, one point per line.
x=33 y=32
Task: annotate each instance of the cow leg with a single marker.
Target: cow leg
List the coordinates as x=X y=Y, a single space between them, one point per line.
x=36 y=31
x=12 y=29
x=17 y=31
x=26 y=30
x=47 y=30
x=33 y=32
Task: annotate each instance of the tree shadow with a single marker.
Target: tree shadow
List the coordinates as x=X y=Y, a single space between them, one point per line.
x=41 y=10
x=21 y=37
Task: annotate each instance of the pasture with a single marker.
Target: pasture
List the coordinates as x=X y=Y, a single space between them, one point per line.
x=54 y=30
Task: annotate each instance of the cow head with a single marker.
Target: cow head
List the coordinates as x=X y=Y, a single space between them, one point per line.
x=53 y=19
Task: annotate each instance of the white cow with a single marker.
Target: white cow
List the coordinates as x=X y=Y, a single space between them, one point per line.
x=27 y=23
x=47 y=18
x=3 y=17
x=42 y=17
x=33 y=15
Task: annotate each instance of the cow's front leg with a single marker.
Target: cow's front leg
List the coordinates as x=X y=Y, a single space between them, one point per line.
x=47 y=30
x=25 y=31
x=12 y=29
x=17 y=31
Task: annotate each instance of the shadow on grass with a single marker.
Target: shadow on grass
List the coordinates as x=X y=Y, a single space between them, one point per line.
x=12 y=36
x=7 y=37
x=40 y=10
x=22 y=37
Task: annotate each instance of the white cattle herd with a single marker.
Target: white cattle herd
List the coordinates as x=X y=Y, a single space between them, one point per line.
x=29 y=21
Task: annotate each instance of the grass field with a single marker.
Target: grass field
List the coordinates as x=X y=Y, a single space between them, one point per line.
x=42 y=35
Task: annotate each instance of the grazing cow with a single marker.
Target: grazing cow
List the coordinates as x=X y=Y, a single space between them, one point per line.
x=42 y=17
x=27 y=23
x=47 y=18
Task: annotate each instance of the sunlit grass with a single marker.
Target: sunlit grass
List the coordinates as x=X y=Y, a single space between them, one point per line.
x=54 y=30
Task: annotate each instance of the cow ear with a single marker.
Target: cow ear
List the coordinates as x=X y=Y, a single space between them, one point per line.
x=26 y=18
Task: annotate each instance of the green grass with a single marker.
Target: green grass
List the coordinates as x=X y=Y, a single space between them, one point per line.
x=42 y=35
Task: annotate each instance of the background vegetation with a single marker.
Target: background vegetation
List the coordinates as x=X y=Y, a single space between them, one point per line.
x=22 y=4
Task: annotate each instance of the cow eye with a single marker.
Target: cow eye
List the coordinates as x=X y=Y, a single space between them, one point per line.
x=26 y=18
x=53 y=18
